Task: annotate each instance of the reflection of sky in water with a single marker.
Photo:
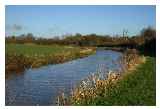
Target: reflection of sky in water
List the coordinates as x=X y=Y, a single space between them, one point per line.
x=41 y=86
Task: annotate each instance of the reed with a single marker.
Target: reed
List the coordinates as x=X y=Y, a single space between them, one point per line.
x=100 y=83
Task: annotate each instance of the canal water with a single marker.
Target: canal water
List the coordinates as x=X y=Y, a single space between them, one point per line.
x=41 y=86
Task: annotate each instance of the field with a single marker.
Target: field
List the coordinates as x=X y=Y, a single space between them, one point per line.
x=39 y=50
x=22 y=56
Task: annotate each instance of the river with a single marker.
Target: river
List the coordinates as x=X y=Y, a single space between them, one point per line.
x=41 y=86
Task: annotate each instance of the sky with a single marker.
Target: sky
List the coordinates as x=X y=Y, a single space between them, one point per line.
x=57 y=20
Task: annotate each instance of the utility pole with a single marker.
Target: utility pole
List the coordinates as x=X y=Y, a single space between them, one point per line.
x=125 y=32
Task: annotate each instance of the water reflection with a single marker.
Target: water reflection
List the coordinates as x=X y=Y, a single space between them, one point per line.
x=41 y=86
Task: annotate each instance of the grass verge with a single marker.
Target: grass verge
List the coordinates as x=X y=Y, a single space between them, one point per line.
x=138 y=87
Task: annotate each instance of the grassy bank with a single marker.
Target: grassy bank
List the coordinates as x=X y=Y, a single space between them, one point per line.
x=134 y=84
x=138 y=87
x=22 y=56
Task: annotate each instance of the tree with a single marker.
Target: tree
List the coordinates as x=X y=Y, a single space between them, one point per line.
x=148 y=33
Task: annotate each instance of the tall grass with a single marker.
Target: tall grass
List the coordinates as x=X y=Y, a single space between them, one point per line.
x=138 y=87
x=95 y=85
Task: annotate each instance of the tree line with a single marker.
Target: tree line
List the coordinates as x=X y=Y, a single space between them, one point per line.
x=146 y=40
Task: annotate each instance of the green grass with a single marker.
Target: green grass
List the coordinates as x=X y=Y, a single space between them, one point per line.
x=32 y=49
x=136 y=88
x=22 y=56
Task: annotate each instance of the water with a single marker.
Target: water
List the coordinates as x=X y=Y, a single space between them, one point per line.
x=41 y=86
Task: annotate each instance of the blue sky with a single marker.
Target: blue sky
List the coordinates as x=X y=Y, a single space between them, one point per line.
x=50 y=21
